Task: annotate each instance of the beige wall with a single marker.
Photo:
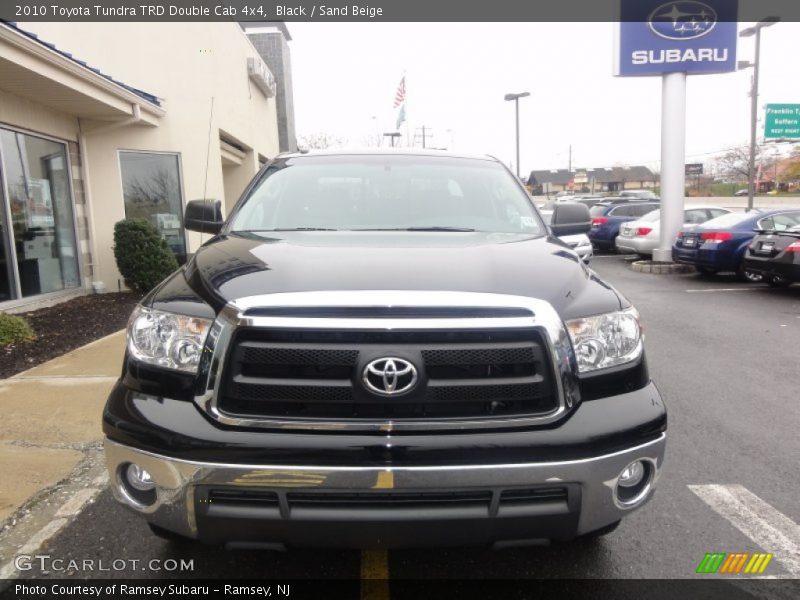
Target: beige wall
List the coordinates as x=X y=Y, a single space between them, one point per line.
x=20 y=112
x=184 y=64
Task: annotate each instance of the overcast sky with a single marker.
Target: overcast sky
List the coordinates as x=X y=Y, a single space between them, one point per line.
x=344 y=74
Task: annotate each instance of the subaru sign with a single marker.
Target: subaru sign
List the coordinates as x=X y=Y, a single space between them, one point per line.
x=689 y=36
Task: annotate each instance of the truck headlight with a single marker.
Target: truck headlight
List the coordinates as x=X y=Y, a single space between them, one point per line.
x=167 y=340
x=606 y=340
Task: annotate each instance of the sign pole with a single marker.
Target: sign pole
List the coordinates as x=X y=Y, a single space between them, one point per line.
x=673 y=157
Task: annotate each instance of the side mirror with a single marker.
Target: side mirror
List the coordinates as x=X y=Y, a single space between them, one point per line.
x=570 y=218
x=204 y=216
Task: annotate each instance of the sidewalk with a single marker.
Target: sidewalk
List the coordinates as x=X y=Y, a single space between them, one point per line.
x=52 y=416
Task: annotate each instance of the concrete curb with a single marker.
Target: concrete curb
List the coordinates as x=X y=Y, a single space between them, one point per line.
x=660 y=268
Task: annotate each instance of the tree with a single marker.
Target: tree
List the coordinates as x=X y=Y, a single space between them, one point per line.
x=790 y=170
x=320 y=141
x=734 y=165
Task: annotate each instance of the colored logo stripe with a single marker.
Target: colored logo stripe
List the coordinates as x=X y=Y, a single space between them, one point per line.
x=758 y=563
x=734 y=563
x=711 y=562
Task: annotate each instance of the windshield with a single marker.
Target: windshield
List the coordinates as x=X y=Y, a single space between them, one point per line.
x=387 y=192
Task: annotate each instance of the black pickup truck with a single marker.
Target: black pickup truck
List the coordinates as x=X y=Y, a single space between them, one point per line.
x=384 y=349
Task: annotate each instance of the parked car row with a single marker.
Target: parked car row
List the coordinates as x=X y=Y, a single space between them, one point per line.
x=756 y=245
x=759 y=245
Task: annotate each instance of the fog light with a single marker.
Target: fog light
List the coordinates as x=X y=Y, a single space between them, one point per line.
x=632 y=475
x=139 y=478
x=137 y=485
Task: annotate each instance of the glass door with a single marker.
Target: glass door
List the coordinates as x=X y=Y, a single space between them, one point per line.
x=7 y=283
x=38 y=221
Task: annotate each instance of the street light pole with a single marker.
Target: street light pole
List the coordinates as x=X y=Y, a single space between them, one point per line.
x=751 y=168
x=515 y=98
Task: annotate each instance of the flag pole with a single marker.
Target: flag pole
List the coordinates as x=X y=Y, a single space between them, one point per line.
x=409 y=141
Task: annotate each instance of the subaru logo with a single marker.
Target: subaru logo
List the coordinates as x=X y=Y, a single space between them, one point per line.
x=682 y=20
x=390 y=376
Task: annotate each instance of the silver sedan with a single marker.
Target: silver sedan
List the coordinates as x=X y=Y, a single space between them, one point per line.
x=642 y=236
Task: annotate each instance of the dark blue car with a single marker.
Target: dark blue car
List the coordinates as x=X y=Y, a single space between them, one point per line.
x=607 y=217
x=719 y=244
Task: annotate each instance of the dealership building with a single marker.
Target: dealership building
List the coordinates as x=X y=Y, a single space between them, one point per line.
x=594 y=180
x=105 y=121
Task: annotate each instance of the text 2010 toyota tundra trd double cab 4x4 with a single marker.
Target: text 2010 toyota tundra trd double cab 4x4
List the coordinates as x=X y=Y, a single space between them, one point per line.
x=384 y=349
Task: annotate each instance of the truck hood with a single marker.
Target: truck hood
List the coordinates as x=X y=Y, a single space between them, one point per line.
x=246 y=264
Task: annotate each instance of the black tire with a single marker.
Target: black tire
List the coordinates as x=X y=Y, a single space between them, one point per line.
x=749 y=276
x=705 y=270
x=598 y=533
x=166 y=534
x=778 y=282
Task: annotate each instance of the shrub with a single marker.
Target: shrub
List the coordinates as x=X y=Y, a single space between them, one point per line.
x=143 y=257
x=14 y=329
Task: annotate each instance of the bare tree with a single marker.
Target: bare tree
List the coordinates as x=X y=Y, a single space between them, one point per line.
x=152 y=193
x=735 y=163
x=320 y=141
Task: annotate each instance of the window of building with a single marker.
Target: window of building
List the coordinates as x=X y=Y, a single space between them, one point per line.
x=38 y=248
x=151 y=188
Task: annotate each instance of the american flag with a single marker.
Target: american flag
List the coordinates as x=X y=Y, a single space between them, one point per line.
x=400 y=94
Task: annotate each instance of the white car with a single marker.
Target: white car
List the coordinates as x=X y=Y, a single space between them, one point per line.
x=579 y=242
x=642 y=236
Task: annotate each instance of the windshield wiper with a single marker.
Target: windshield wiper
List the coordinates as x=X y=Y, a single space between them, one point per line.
x=432 y=228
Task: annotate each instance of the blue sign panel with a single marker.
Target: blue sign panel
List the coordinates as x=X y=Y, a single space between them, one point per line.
x=657 y=37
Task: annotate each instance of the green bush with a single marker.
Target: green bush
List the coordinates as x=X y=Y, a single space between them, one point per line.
x=143 y=257
x=14 y=329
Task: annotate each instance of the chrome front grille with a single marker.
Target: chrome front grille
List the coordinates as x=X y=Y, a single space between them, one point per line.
x=296 y=361
x=464 y=374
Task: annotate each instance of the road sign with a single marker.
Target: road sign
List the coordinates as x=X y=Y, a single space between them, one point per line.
x=782 y=121
x=580 y=177
x=678 y=36
x=694 y=168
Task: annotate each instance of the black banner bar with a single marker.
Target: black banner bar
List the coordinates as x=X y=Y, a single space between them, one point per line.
x=354 y=10
x=400 y=589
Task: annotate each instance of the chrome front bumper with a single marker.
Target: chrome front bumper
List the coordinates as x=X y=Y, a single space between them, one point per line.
x=177 y=480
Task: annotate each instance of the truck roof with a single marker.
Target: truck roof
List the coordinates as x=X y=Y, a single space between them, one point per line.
x=386 y=152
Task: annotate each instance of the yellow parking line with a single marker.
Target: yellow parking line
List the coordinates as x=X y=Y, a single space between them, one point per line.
x=385 y=481
x=374 y=575
x=375 y=563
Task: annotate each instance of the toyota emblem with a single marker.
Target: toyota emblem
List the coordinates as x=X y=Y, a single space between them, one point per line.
x=390 y=376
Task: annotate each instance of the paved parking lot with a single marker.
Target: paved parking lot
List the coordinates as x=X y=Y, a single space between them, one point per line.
x=725 y=357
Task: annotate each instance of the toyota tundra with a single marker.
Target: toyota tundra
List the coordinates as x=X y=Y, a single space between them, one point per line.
x=384 y=349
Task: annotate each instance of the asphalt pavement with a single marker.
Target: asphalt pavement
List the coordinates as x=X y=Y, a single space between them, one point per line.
x=725 y=356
